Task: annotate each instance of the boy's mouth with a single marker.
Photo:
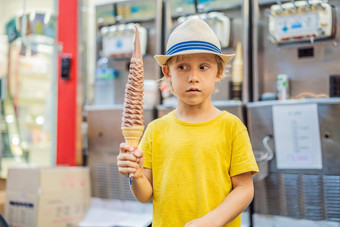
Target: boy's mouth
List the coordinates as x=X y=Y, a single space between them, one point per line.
x=193 y=90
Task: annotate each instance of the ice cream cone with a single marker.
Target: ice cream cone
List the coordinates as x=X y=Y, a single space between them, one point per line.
x=132 y=135
x=132 y=120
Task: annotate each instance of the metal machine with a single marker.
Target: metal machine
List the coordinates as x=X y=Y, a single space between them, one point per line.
x=308 y=52
x=230 y=22
x=116 y=22
x=104 y=137
x=300 y=180
x=114 y=46
x=298 y=187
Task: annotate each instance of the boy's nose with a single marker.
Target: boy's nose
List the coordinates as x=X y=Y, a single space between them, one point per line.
x=193 y=78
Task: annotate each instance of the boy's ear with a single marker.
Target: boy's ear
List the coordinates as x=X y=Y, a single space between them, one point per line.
x=219 y=76
x=165 y=71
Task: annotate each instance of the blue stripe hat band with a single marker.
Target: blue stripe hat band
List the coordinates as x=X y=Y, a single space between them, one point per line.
x=192 y=36
x=193 y=45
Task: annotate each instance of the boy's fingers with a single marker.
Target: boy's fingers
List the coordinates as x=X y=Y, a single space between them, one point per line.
x=126 y=157
x=128 y=160
x=127 y=164
x=126 y=171
x=138 y=153
x=126 y=147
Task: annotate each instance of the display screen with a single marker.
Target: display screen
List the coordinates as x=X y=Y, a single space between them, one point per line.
x=179 y=7
x=217 y=3
x=297 y=25
x=262 y=2
x=137 y=11
x=105 y=14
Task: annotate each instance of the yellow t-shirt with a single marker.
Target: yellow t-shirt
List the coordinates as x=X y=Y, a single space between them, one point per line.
x=192 y=165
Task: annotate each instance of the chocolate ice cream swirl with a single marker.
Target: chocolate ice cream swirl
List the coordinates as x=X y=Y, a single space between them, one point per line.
x=133 y=102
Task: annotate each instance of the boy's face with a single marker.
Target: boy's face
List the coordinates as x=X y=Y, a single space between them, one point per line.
x=193 y=77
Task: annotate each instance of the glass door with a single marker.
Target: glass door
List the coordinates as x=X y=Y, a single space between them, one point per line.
x=28 y=110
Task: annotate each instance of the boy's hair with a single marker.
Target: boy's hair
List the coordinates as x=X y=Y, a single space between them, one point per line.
x=176 y=58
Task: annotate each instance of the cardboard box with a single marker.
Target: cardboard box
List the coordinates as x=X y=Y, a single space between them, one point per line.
x=41 y=197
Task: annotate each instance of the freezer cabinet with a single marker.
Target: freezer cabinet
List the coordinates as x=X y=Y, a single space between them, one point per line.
x=310 y=192
x=104 y=136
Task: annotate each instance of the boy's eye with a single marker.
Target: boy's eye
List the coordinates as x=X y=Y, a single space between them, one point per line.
x=182 y=67
x=203 y=67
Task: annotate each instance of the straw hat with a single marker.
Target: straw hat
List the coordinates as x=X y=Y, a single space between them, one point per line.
x=192 y=36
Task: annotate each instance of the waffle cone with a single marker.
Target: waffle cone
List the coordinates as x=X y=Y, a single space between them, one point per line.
x=132 y=135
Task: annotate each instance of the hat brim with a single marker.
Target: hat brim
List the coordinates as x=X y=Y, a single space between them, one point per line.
x=161 y=59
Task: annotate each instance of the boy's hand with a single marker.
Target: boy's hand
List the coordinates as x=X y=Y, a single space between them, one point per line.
x=200 y=222
x=130 y=160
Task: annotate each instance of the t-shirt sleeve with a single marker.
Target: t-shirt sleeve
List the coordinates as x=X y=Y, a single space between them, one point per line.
x=242 y=156
x=146 y=146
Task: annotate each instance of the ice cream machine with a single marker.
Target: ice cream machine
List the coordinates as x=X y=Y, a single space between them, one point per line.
x=300 y=181
x=116 y=26
x=114 y=47
x=295 y=55
x=230 y=21
x=301 y=21
x=298 y=39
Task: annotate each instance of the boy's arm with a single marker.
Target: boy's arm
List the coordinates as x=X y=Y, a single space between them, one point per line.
x=142 y=186
x=132 y=162
x=233 y=205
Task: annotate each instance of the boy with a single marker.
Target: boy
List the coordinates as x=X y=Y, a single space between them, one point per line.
x=196 y=163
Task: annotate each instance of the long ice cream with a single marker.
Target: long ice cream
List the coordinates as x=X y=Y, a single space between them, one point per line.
x=132 y=121
x=133 y=102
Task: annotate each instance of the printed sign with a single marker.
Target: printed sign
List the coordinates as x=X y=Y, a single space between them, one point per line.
x=297 y=136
